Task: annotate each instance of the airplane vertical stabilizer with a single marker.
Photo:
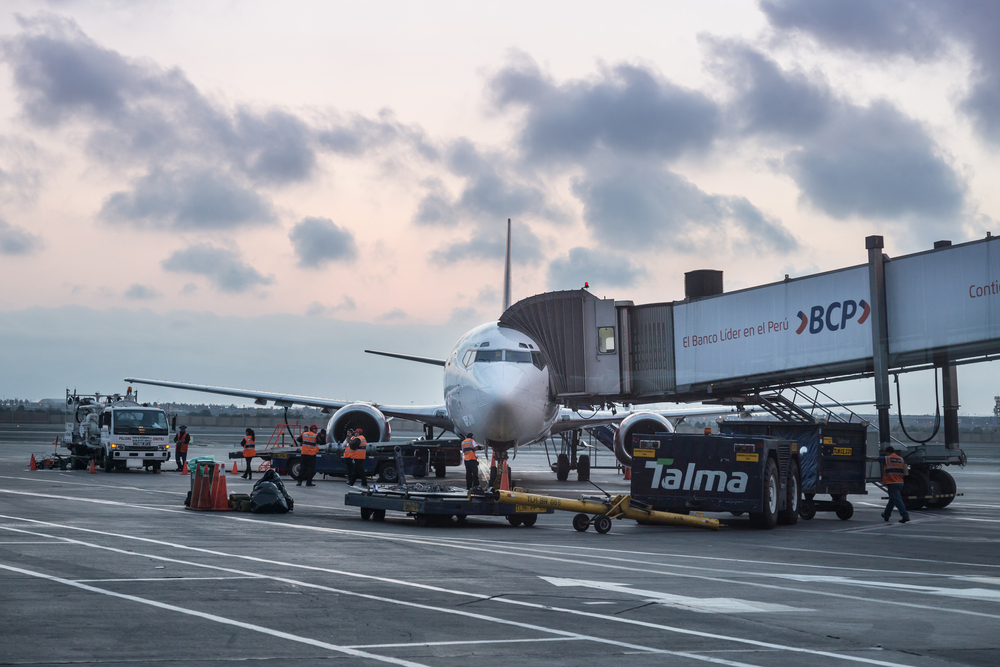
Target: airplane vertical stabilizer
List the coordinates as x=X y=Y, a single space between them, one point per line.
x=506 y=272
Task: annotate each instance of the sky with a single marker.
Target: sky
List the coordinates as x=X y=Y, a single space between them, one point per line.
x=249 y=194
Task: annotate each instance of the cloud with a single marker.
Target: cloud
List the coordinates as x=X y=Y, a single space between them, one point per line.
x=627 y=109
x=634 y=205
x=393 y=315
x=138 y=292
x=202 y=200
x=318 y=241
x=599 y=268
x=223 y=268
x=359 y=135
x=15 y=241
x=316 y=309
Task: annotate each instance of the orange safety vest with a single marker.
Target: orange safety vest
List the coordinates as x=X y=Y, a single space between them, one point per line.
x=309 y=447
x=358 y=453
x=182 y=443
x=249 y=447
x=892 y=472
x=469 y=449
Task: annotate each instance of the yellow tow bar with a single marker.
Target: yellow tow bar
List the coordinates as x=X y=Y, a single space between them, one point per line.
x=604 y=510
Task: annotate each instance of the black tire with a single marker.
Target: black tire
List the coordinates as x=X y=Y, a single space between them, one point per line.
x=807 y=509
x=156 y=466
x=942 y=483
x=581 y=522
x=602 y=524
x=845 y=511
x=460 y=518
x=187 y=500
x=79 y=460
x=767 y=518
x=440 y=470
x=583 y=468
x=514 y=519
x=294 y=468
x=528 y=520
x=793 y=496
x=915 y=484
x=387 y=472
x=109 y=463
x=366 y=513
x=562 y=467
x=378 y=515
x=737 y=513
x=421 y=520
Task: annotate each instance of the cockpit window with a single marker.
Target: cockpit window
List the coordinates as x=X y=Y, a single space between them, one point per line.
x=489 y=355
x=469 y=356
x=518 y=356
x=538 y=360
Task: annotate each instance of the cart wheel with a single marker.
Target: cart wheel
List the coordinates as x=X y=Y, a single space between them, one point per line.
x=737 y=513
x=514 y=519
x=845 y=511
x=460 y=518
x=294 y=468
x=366 y=513
x=378 y=515
x=807 y=509
x=602 y=523
x=562 y=467
x=581 y=522
x=528 y=520
x=440 y=470
x=421 y=519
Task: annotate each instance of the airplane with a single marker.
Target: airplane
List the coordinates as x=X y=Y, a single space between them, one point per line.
x=496 y=389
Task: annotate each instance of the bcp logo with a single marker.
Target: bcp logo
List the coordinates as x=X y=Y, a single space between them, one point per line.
x=834 y=317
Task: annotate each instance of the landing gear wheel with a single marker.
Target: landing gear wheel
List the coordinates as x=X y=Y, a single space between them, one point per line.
x=581 y=522
x=768 y=517
x=845 y=511
x=807 y=509
x=528 y=520
x=440 y=470
x=602 y=524
x=790 y=515
x=562 y=467
x=378 y=515
x=388 y=473
x=366 y=513
x=514 y=519
x=583 y=468
x=942 y=483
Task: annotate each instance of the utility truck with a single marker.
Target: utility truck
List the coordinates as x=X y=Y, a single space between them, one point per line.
x=116 y=432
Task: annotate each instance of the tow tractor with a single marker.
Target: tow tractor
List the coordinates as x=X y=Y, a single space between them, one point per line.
x=116 y=432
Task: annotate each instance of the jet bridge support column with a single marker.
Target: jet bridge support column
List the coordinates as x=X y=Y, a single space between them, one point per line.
x=880 y=335
x=949 y=388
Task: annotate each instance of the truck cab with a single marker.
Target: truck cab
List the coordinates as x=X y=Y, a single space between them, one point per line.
x=133 y=436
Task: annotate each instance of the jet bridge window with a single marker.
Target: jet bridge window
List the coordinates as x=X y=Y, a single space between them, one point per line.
x=489 y=355
x=606 y=340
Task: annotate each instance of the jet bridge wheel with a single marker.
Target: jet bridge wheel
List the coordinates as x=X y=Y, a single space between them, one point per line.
x=581 y=522
x=942 y=483
x=602 y=524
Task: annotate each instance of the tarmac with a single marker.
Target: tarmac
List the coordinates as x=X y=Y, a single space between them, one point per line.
x=110 y=568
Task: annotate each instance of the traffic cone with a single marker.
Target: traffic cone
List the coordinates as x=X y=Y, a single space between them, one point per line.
x=184 y=470
x=220 y=496
x=628 y=472
x=234 y=468
x=33 y=465
x=505 y=478
x=93 y=467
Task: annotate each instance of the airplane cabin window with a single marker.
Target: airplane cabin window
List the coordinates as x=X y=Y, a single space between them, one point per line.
x=489 y=355
x=538 y=360
x=606 y=340
x=518 y=356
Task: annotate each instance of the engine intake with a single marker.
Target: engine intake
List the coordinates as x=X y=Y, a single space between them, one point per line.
x=638 y=422
x=368 y=418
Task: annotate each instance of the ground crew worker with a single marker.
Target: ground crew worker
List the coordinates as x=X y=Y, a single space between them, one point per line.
x=181 y=441
x=469 y=448
x=354 y=454
x=309 y=452
x=249 y=451
x=893 y=471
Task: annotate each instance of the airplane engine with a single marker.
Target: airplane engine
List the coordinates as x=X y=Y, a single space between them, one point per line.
x=638 y=422
x=368 y=418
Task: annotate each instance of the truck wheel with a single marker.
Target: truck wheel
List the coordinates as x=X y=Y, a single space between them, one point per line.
x=79 y=460
x=387 y=472
x=562 y=467
x=294 y=468
x=767 y=518
x=845 y=511
x=528 y=520
x=109 y=463
x=945 y=484
x=514 y=519
x=156 y=466
x=602 y=524
x=807 y=509
x=583 y=468
x=440 y=470
x=378 y=515
x=790 y=515
x=581 y=522
x=366 y=513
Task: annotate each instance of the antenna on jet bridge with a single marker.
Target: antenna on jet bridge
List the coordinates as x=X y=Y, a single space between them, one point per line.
x=506 y=272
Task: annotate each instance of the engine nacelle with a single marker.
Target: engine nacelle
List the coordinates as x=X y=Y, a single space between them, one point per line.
x=368 y=418
x=637 y=422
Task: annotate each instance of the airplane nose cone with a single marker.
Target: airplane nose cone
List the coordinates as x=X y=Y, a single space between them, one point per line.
x=503 y=395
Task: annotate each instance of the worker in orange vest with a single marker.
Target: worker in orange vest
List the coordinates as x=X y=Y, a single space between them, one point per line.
x=181 y=440
x=354 y=454
x=469 y=448
x=309 y=452
x=249 y=451
x=893 y=471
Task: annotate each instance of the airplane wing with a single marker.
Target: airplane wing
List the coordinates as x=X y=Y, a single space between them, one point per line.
x=435 y=415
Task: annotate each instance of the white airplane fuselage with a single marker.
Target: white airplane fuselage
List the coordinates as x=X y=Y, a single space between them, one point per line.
x=496 y=388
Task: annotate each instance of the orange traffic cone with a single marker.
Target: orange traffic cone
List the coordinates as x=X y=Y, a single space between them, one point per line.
x=93 y=467
x=235 y=470
x=33 y=465
x=505 y=478
x=628 y=472
x=220 y=496
x=184 y=470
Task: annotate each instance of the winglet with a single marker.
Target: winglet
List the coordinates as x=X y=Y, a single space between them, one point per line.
x=506 y=272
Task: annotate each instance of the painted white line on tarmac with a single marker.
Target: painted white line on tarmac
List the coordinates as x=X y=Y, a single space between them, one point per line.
x=883 y=556
x=104 y=581
x=216 y=619
x=472 y=641
x=477 y=596
x=15 y=542
x=108 y=487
